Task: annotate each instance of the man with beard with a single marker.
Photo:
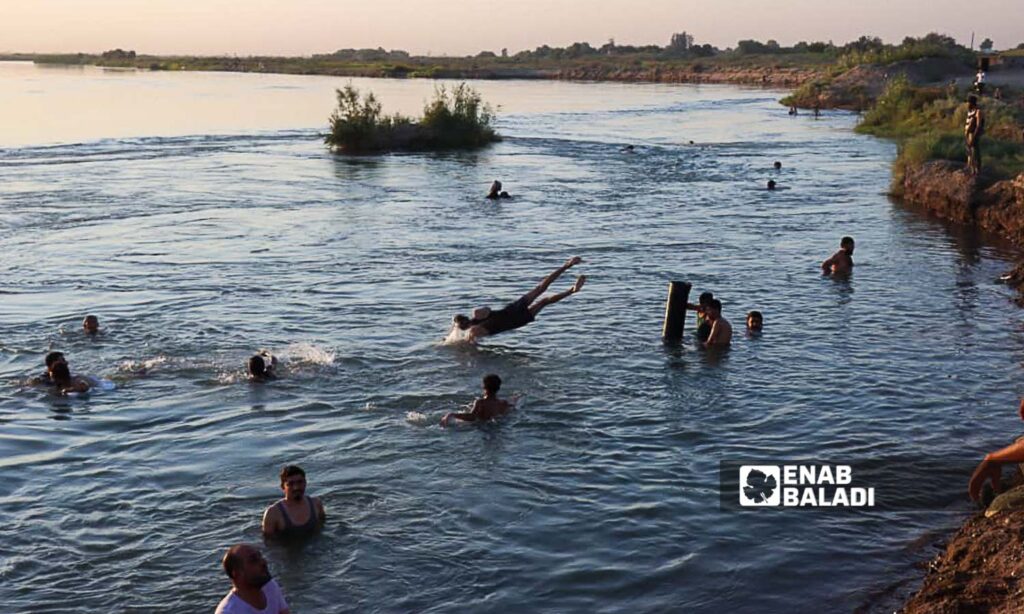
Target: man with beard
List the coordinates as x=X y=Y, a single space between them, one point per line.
x=296 y=515
x=253 y=590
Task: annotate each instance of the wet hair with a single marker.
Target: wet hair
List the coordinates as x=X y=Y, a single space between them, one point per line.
x=845 y=241
x=771 y=184
x=706 y=298
x=90 y=320
x=231 y=561
x=53 y=357
x=257 y=367
x=777 y=164
x=715 y=304
x=60 y=373
x=461 y=321
x=289 y=470
x=492 y=383
x=755 y=314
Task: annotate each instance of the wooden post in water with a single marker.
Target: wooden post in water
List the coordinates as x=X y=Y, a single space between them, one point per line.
x=675 y=311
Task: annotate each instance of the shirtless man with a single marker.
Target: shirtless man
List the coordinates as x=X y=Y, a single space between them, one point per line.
x=253 y=589
x=65 y=382
x=486 y=322
x=296 y=515
x=46 y=378
x=262 y=366
x=487 y=408
x=721 y=329
x=841 y=262
x=991 y=467
x=91 y=325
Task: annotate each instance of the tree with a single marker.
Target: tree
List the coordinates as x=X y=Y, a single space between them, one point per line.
x=986 y=45
x=680 y=43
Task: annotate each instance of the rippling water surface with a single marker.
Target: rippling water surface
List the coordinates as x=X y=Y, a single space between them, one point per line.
x=201 y=218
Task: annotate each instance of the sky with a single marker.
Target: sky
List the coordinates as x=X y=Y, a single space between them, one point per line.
x=466 y=27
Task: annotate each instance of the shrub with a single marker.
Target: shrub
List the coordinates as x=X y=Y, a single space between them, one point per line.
x=455 y=118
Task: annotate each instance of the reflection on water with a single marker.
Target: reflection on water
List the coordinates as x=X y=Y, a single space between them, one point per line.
x=227 y=228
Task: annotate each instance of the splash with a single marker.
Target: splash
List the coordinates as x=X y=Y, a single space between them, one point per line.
x=416 y=418
x=456 y=336
x=309 y=354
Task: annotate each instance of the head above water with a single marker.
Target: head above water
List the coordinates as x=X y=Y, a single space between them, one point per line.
x=715 y=306
x=846 y=243
x=53 y=358
x=495 y=188
x=60 y=373
x=771 y=184
x=246 y=567
x=293 y=482
x=492 y=384
x=777 y=165
x=705 y=298
x=755 y=321
x=91 y=324
x=261 y=365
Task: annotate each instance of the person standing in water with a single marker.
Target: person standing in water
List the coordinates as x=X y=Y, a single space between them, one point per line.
x=841 y=262
x=486 y=322
x=721 y=329
x=91 y=325
x=253 y=589
x=295 y=515
x=496 y=191
x=486 y=408
x=701 y=310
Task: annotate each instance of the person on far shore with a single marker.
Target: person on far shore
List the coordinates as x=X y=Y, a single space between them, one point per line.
x=701 y=309
x=841 y=262
x=496 y=191
x=295 y=515
x=253 y=589
x=755 y=321
x=721 y=329
x=486 y=408
x=91 y=325
x=973 y=129
x=263 y=367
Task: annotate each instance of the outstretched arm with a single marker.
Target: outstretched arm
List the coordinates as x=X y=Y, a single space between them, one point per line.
x=990 y=468
x=470 y=416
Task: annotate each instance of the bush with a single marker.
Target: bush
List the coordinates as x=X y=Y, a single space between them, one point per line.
x=453 y=119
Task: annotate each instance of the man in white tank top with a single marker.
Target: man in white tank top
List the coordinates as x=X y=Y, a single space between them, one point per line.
x=253 y=590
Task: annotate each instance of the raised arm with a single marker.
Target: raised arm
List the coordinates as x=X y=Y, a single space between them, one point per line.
x=716 y=331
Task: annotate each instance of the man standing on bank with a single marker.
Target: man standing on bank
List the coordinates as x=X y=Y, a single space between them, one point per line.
x=296 y=515
x=974 y=127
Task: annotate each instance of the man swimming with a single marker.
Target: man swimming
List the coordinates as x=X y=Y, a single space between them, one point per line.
x=496 y=191
x=486 y=322
x=721 y=329
x=65 y=382
x=46 y=378
x=296 y=515
x=91 y=325
x=841 y=262
x=487 y=408
x=262 y=366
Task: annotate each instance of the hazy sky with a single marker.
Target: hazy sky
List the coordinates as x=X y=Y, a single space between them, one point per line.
x=303 y=27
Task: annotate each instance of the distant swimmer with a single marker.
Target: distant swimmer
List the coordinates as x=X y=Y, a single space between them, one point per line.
x=701 y=309
x=263 y=366
x=253 y=589
x=46 y=378
x=629 y=149
x=487 y=408
x=792 y=110
x=771 y=184
x=841 y=262
x=91 y=325
x=777 y=165
x=755 y=322
x=721 y=329
x=519 y=313
x=295 y=515
x=496 y=191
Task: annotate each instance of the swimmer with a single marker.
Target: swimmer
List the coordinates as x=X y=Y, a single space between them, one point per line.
x=295 y=515
x=701 y=309
x=771 y=184
x=46 y=379
x=777 y=165
x=721 y=329
x=629 y=149
x=66 y=382
x=91 y=325
x=263 y=366
x=841 y=262
x=792 y=110
x=755 y=322
x=487 y=408
x=253 y=589
x=519 y=313
x=496 y=191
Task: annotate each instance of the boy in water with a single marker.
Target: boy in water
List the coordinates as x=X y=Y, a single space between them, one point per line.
x=486 y=322
x=484 y=409
x=701 y=309
x=263 y=366
x=841 y=262
x=721 y=329
x=91 y=325
x=755 y=321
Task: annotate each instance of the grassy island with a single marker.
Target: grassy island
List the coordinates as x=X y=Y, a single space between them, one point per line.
x=455 y=118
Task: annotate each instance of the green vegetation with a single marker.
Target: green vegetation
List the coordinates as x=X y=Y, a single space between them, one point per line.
x=455 y=118
x=928 y=123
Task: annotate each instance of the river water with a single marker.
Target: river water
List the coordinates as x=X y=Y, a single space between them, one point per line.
x=201 y=218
